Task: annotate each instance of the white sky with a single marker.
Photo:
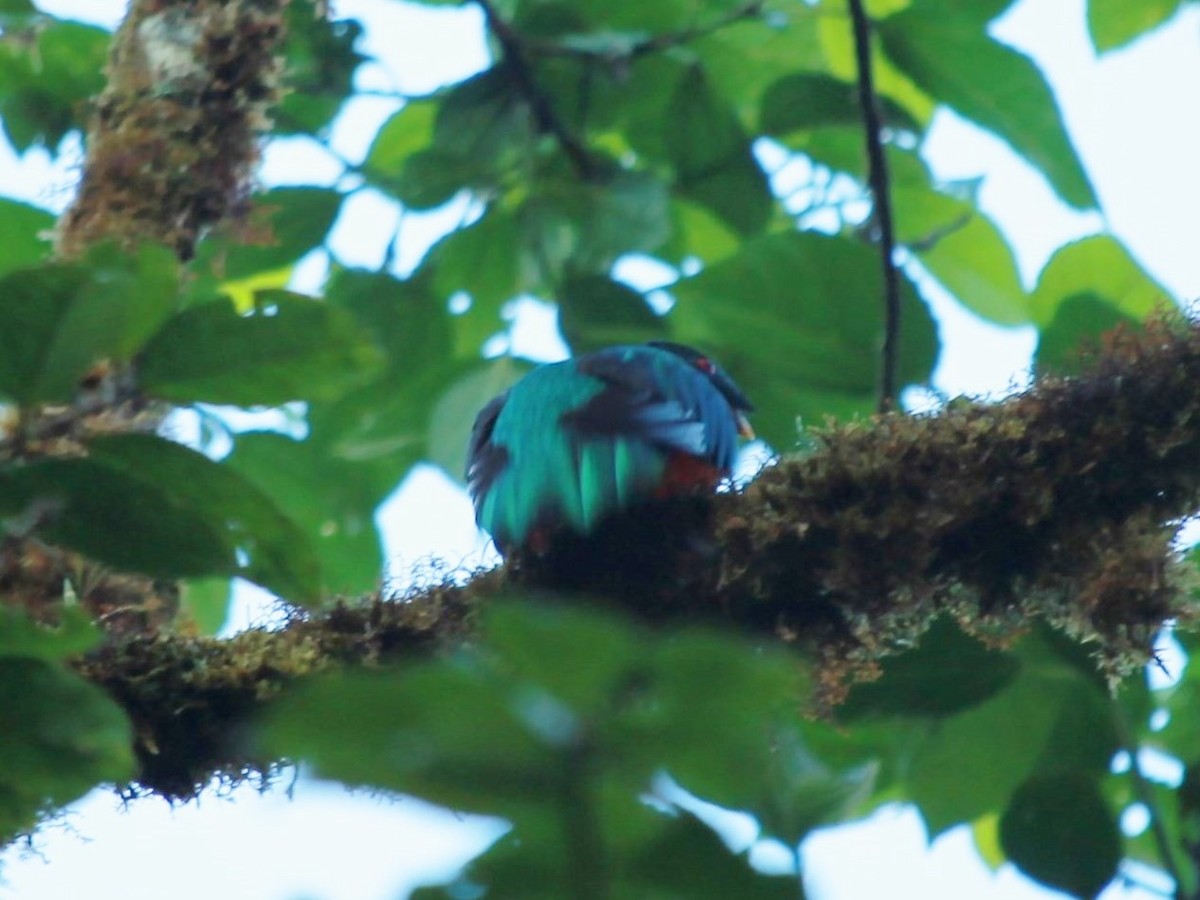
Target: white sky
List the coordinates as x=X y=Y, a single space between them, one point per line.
x=1132 y=114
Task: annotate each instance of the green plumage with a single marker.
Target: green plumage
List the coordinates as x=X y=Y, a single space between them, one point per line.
x=575 y=441
x=560 y=474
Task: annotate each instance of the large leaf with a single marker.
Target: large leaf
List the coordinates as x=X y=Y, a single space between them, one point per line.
x=1097 y=266
x=972 y=763
x=1089 y=287
x=954 y=60
x=947 y=673
x=147 y=505
x=1113 y=23
x=62 y=737
x=283 y=225
x=332 y=500
x=798 y=319
x=805 y=100
x=24 y=235
x=45 y=82
x=321 y=60
x=712 y=157
x=595 y=311
x=57 y=320
x=291 y=348
x=1059 y=830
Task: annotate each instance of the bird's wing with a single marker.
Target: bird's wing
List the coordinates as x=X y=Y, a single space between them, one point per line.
x=485 y=460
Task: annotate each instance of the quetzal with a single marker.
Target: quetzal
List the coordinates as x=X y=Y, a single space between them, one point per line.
x=574 y=442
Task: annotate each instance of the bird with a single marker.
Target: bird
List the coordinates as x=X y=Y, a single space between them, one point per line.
x=575 y=442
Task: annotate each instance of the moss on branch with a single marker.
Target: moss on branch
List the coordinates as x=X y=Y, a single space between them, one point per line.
x=1060 y=504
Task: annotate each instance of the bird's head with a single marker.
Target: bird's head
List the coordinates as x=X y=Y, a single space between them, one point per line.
x=720 y=379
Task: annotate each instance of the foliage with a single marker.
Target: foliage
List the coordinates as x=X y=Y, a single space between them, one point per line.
x=600 y=133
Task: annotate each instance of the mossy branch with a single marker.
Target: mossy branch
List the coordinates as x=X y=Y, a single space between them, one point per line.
x=173 y=139
x=1061 y=503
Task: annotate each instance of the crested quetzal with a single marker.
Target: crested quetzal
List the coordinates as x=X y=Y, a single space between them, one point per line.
x=573 y=442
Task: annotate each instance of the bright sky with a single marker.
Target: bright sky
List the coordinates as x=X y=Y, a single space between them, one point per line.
x=1132 y=116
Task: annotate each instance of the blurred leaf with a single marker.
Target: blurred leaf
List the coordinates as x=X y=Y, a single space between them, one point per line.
x=205 y=603
x=1113 y=23
x=283 y=225
x=954 y=60
x=24 y=232
x=972 y=763
x=1097 y=266
x=956 y=243
x=595 y=311
x=1080 y=318
x=805 y=100
x=319 y=71
x=329 y=499
x=945 y=674
x=455 y=410
x=45 y=82
x=22 y=636
x=292 y=348
x=985 y=832
x=688 y=859
x=143 y=504
x=62 y=737
x=712 y=156
x=387 y=421
x=1059 y=830
x=57 y=320
x=408 y=130
x=797 y=319
x=483 y=128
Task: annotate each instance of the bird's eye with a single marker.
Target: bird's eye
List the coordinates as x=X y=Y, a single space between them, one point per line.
x=705 y=365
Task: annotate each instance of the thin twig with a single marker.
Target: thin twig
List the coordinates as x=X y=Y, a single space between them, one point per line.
x=877 y=176
x=512 y=46
x=1145 y=796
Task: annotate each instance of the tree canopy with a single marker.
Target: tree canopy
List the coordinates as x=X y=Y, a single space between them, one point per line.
x=953 y=609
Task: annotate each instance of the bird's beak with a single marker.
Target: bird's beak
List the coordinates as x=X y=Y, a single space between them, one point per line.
x=743 y=426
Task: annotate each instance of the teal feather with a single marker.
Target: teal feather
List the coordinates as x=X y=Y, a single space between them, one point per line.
x=574 y=441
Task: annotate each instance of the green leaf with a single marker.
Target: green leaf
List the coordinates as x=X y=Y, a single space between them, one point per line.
x=285 y=223
x=483 y=128
x=22 y=636
x=712 y=157
x=455 y=410
x=333 y=501
x=1079 y=319
x=797 y=318
x=205 y=603
x=1097 y=266
x=802 y=101
x=143 y=504
x=292 y=348
x=57 y=320
x=319 y=71
x=407 y=131
x=1059 y=830
x=973 y=762
x=1114 y=23
x=62 y=737
x=595 y=311
x=24 y=231
x=953 y=59
x=688 y=859
x=947 y=673
x=956 y=243
x=45 y=83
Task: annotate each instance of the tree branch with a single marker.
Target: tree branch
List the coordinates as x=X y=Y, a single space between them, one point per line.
x=174 y=137
x=543 y=110
x=878 y=177
x=1059 y=504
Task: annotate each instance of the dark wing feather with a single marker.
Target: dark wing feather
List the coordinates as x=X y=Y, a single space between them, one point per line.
x=485 y=460
x=654 y=396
